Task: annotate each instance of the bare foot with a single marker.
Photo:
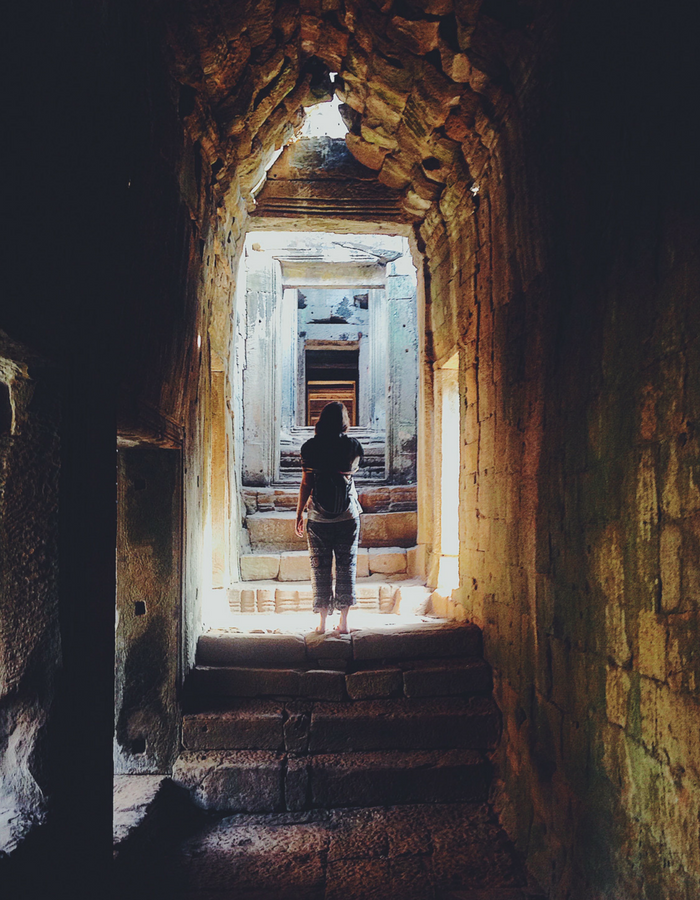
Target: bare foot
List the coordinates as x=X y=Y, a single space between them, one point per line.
x=321 y=629
x=340 y=630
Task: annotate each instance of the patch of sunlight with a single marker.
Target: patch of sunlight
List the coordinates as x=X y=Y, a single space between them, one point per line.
x=324 y=120
x=448 y=574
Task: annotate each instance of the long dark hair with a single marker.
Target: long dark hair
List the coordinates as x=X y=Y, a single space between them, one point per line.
x=334 y=420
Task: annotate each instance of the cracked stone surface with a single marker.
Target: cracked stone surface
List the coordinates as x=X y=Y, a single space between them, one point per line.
x=420 y=852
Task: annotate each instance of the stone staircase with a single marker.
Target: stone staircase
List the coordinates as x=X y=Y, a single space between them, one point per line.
x=284 y=722
x=274 y=552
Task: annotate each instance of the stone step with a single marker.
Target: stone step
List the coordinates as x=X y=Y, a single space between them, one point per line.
x=382 y=498
x=419 y=724
x=274 y=531
x=294 y=565
x=450 y=851
x=266 y=781
x=396 y=642
x=338 y=678
x=374 y=594
x=299 y=726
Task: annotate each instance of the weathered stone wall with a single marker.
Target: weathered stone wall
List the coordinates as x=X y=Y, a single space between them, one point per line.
x=30 y=650
x=571 y=294
x=148 y=610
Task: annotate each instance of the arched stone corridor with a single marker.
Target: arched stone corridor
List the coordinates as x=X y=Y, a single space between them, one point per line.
x=540 y=161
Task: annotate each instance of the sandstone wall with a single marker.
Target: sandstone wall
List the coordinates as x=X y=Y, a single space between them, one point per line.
x=571 y=291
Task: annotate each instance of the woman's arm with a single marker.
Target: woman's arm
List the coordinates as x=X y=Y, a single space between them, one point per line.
x=305 y=489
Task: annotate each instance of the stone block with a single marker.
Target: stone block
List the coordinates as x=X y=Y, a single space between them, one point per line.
x=274 y=531
x=338 y=665
x=248 y=601
x=234 y=781
x=286 y=499
x=418 y=641
x=328 y=646
x=417 y=561
x=296 y=784
x=435 y=724
x=412 y=600
x=296 y=726
x=446 y=678
x=259 y=566
x=374 y=500
x=294 y=566
x=286 y=601
x=396 y=529
x=252 y=858
x=249 y=726
x=223 y=649
x=373 y=684
x=230 y=681
x=250 y=499
x=362 y=563
x=387 y=778
x=265 y=600
x=233 y=595
x=387 y=561
x=323 y=684
x=386 y=598
x=266 y=501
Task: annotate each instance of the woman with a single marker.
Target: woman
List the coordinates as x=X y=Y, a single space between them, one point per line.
x=329 y=461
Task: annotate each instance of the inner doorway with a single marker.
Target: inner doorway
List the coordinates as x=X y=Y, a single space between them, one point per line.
x=331 y=374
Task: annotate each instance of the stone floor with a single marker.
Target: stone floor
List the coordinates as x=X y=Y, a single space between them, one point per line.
x=426 y=852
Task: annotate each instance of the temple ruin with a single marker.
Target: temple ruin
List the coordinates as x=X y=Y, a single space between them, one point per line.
x=476 y=223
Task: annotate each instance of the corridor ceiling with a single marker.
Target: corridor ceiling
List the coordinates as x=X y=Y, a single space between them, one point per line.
x=423 y=84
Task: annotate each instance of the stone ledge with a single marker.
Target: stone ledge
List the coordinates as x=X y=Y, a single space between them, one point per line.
x=403 y=724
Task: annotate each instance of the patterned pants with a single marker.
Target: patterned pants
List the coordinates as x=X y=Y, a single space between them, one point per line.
x=325 y=539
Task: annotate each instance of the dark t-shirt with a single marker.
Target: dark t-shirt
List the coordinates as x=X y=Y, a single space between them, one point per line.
x=337 y=454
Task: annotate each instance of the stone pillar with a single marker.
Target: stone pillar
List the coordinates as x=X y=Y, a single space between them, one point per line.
x=219 y=479
x=261 y=380
x=378 y=368
x=403 y=371
x=288 y=358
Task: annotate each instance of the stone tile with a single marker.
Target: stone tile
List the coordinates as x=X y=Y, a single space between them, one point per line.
x=296 y=783
x=387 y=560
x=320 y=684
x=445 y=678
x=296 y=726
x=294 y=566
x=417 y=641
x=438 y=723
x=234 y=780
x=231 y=681
x=384 y=778
x=222 y=649
x=358 y=834
x=374 y=683
x=411 y=878
x=259 y=566
x=367 y=878
x=247 y=860
x=249 y=726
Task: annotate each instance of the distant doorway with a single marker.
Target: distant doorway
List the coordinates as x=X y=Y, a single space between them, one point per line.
x=331 y=374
